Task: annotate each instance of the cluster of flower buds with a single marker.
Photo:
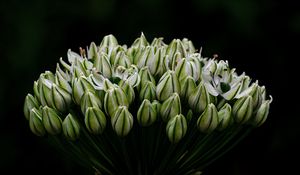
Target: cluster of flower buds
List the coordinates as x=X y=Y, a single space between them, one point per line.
x=141 y=85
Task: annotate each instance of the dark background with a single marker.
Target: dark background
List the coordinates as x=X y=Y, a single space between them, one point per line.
x=256 y=36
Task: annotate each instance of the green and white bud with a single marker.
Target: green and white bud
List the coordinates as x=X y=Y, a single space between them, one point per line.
x=262 y=113
x=170 y=107
x=176 y=128
x=92 y=51
x=61 y=98
x=148 y=91
x=224 y=115
x=155 y=64
x=128 y=90
x=95 y=120
x=208 y=120
x=51 y=121
x=176 y=46
x=79 y=86
x=146 y=114
x=145 y=76
x=242 y=109
x=167 y=85
x=30 y=102
x=45 y=87
x=36 y=90
x=121 y=59
x=109 y=41
x=122 y=121
x=89 y=99
x=188 y=45
x=103 y=65
x=146 y=57
x=199 y=98
x=71 y=128
x=188 y=85
x=114 y=98
x=62 y=82
x=186 y=68
x=140 y=42
x=35 y=122
x=156 y=106
x=158 y=42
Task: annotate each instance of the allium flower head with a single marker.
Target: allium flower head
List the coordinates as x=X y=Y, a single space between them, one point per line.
x=148 y=108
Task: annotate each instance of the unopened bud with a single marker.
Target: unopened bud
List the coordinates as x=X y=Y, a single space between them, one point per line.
x=51 y=121
x=208 y=120
x=146 y=114
x=170 y=107
x=176 y=128
x=71 y=128
x=122 y=121
x=95 y=120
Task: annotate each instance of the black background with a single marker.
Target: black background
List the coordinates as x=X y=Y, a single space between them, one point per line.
x=259 y=37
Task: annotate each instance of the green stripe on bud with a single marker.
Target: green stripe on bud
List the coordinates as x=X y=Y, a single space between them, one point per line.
x=92 y=51
x=199 y=98
x=45 y=87
x=242 y=109
x=121 y=59
x=167 y=85
x=103 y=65
x=30 y=102
x=113 y=98
x=108 y=41
x=140 y=42
x=262 y=113
x=170 y=107
x=145 y=76
x=128 y=90
x=89 y=99
x=80 y=85
x=51 y=121
x=208 y=120
x=146 y=114
x=61 y=98
x=122 y=121
x=188 y=85
x=176 y=128
x=71 y=128
x=35 y=122
x=225 y=118
x=62 y=82
x=148 y=91
x=95 y=120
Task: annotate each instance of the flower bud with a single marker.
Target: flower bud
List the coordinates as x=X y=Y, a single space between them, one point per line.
x=140 y=42
x=109 y=41
x=167 y=85
x=176 y=128
x=242 y=109
x=73 y=57
x=208 y=120
x=51 y=121
x=36 y=92
x=145 y=76
x=146 y=114
x=199 y=98
x=186 y=68
x=121 y=59
x=188 y=45
x=147 y=56
x=114 y=98
x=224 y=115
x=188 y=85
x=95 y=120
x=148 y=91
x=103 y=65
x=35 y=122
x=176 y=46
x=155 y=64
x=122 y=121
x=156 y=106
x=128 y=90
x=45 y=86
x=71 y=128
x=30 y=102
x=62 y=82
x=89 y=99
x=158 y=42
x=79 y=86
x=61 y=98
x=262 y=113
x=170 y=107
x=92 y=51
